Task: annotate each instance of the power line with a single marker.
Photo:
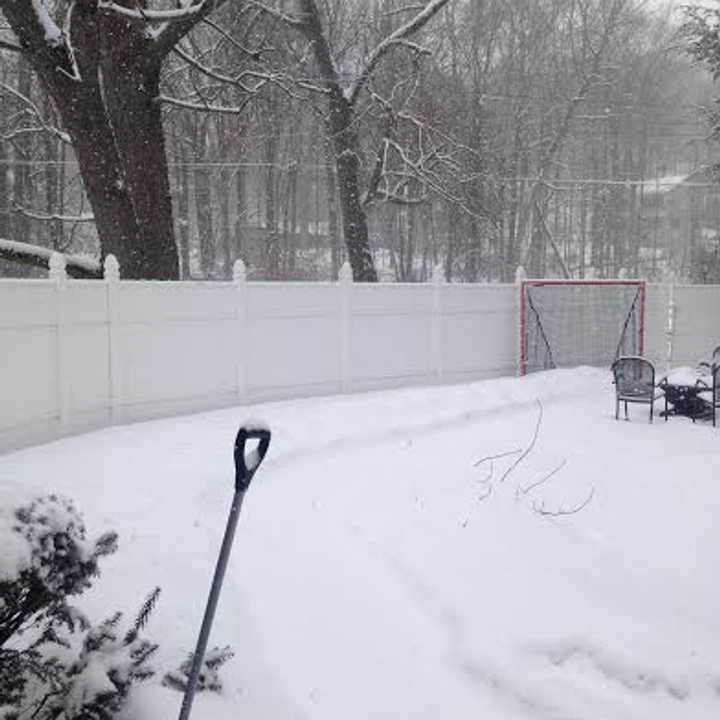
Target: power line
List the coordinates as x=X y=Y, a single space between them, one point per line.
x=648 y=183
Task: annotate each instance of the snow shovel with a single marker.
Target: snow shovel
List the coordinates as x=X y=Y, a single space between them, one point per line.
x=245 y=468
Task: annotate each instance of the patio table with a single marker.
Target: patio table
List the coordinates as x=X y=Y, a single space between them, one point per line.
x=682 y=387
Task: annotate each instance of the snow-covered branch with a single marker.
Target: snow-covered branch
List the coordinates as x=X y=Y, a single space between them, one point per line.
x=202 y=107
x=190 y=13
x=180 y=13
x=51 y=32
x=53 y=217
x=33 y=108
x=79 y=267
x=39 y=36
x=261 y=78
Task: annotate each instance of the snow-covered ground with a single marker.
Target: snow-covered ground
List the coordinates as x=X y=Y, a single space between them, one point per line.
x=383 y=568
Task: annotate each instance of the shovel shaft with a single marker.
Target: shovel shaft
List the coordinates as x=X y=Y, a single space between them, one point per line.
x=211 y=604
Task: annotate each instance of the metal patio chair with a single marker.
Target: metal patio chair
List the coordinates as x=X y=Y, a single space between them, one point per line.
x=715 y=358
x=634 y=379
x=713 y=392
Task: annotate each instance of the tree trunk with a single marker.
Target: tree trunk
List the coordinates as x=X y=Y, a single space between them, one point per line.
x=23 y=195
x=296 y=235
x=346 y=145
x=104 y=79
x=92 y=134
x=331 y=192
x=272 y=242
x=227 y=243
x=241 y=219
x=203 y=209
x=53 y=186
x=131 y=88
x=120 y=150
x=4 y=191
x=182 y=175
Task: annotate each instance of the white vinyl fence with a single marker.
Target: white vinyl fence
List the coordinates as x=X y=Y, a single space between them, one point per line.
x=76 y=355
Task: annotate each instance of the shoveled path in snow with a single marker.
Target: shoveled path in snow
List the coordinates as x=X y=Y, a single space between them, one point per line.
x=378 y=572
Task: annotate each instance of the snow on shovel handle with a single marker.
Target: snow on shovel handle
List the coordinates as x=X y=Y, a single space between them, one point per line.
x=246 y=465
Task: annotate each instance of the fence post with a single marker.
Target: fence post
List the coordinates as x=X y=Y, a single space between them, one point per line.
x=111 y=275
x=345 y=280
x=670 y=329
x=57 y=273
x=241 y=340
x=438 y=280
x=520 y=277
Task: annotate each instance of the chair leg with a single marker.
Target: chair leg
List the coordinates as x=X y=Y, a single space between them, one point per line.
x=666 y=409
x=626 y=414
x=617 y=408
x=652 y=408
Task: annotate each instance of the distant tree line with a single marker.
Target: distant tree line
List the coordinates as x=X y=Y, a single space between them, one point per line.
x=478 y=135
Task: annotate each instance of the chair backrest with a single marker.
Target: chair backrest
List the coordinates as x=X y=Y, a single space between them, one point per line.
x=634 y=376
x=715 y=359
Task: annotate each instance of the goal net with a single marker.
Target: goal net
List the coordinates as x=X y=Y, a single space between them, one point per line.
x=564 y=323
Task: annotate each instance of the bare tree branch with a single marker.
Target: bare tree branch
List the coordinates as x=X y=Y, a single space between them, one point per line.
x=540 y=509
x=180 y=13
x=529 y=448
x=543 y=479
x=396 y=38
x=36 y=113
x=496 y=457
x=45 y=217
x=40 y=257
x=200 y=107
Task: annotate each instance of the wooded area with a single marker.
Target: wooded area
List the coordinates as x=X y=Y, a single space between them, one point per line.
x=567 y=136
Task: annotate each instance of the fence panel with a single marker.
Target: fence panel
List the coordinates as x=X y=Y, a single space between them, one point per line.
x=390 y=341
x=80 y=354
x=292 y=340
x=697 y=323
x=175 y=347
x=657 y=299
x=480 y=330
x=29 y=400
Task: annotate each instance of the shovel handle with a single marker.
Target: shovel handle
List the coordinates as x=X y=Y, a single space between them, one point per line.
x=245 y=466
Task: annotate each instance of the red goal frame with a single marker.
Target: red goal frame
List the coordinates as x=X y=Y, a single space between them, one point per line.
x=641 y=285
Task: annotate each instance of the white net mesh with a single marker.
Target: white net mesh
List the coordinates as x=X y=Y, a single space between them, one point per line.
x=574 y=323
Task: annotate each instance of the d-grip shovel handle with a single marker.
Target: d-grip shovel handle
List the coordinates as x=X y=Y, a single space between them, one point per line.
x=245 y=467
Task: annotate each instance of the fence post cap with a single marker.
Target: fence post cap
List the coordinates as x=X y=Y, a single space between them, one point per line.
x=111 y=268
x=239 y=271
x=57 y=265
x=345 y=274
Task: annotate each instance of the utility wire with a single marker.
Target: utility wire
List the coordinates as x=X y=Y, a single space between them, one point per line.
x=649 y=183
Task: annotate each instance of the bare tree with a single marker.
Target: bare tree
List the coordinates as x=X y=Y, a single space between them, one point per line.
x=343 y=108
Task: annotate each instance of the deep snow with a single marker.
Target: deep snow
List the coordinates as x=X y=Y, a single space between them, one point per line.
x=382 y=569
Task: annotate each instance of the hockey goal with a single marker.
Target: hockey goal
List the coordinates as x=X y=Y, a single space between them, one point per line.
x=564 y=323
